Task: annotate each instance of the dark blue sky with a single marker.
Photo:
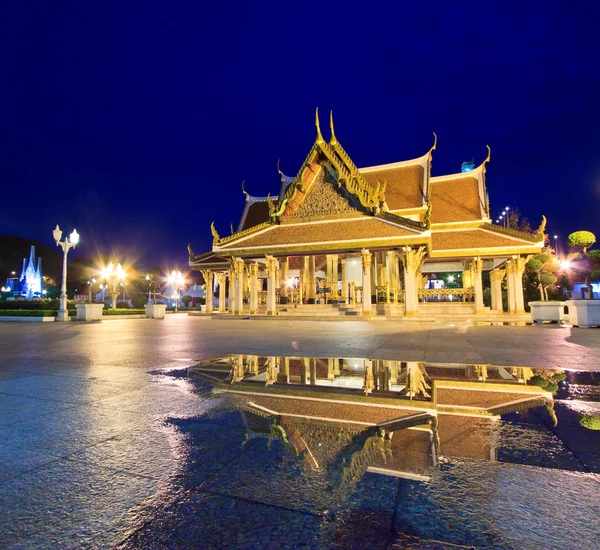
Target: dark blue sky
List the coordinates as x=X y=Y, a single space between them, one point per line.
x=137 y=122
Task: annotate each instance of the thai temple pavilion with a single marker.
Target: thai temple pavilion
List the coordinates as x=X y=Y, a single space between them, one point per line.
x=366 y=241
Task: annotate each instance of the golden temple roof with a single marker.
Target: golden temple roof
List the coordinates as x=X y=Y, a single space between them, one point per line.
x=455 y=200
x=478 y=238
x=364 y=228
x=405 y=183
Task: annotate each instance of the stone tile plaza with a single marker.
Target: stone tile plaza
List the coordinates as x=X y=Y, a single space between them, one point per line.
x=102 y=447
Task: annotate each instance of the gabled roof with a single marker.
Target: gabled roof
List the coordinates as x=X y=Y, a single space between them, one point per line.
x=406 y=182
x=482 y=239
x=460 y=197
x=455 y=199
x=333 y=234
x=256 y=211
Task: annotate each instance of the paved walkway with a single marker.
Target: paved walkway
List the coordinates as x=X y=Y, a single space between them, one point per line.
x=86 y=454
x=142 y=344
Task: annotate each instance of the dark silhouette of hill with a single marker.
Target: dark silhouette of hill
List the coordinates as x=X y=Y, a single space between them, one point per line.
x=14 y=249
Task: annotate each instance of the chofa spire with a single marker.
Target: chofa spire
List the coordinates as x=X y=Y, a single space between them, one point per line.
x=333 y=139
x=487 y=159
x=319 y=135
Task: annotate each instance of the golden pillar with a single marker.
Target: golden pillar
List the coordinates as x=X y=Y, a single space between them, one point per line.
x=209 y=293
x=284 y=272
x=222 y=278
x=366 y=259
x=496 y=278
x=412 y=259
x=476 y=271
x=253 y=289
x=271 y=285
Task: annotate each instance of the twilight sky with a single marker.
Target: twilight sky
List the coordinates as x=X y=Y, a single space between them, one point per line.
x=137 y=122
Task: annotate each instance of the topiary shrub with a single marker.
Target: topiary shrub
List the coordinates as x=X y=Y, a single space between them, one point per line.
x=590 y=422
x=551 y=386
x=538 y=381
x=122 y=305
x=559 y=377
x=139 y=302
x=186 y=300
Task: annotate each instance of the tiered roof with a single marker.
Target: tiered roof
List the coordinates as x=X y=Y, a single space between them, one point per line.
x=331 y=205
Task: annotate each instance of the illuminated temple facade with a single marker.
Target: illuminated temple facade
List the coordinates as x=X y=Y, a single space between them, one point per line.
x=367 y=241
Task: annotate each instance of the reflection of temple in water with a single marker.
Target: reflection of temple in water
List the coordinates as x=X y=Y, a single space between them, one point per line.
x=389 y=417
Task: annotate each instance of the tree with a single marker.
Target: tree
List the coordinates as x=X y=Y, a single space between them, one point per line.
x=542 y=267
x=187 y=300
x=516 y=221
x=87 y=277
x=588 y=265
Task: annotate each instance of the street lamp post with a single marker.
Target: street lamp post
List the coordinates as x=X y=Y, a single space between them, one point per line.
x=66 y=245
x=556 y=245
x=176 y=281
x=116 y=273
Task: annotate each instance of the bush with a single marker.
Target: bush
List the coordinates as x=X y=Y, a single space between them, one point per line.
x=34 y=304
x=544 y=383
x=125 y=311
x=32 y=312
x=590 y=422
x=186 y=300
x=538 y=381
x=122 y=305
x=559 y=377
x=139 y=302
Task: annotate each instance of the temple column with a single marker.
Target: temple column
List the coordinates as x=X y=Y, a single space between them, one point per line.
x=238 y=286
x=335 y=275
x=312 y=279
x=392 y=273
x=510 y=285
x=209 y=293
x=284 y=271
x=284 y=371
x=304 y=277
x=496 y=278
x=412 y=259
x=271 y=285
x=222 y=278
x=518 y=275
x=366 y=282
x=313 y=371
x=253 y=289
x=344 y=283
x=231 y=290
x=476 y=270
x=466 y=277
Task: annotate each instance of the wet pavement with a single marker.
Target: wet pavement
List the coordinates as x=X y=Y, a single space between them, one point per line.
x=100 y=450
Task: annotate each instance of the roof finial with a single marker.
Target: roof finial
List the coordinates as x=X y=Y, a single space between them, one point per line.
x=434 y=146
x=333 y=139
x=319 y=135
x=245 y=192
x=487 y=159
x=280 y=172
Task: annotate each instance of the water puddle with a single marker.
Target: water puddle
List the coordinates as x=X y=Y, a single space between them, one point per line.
x=404 y=452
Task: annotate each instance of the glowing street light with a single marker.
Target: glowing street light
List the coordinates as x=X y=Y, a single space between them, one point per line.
x=177 y=281
x=117 y=274
x=66 y=245
x=565 y=264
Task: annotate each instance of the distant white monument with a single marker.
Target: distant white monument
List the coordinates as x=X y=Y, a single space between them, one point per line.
x=31 y=281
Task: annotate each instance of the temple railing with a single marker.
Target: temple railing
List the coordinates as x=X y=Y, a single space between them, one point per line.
x=387 y=294
x=446 y=295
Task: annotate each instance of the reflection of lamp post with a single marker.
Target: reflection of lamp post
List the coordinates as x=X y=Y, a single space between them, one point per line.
x=176 y=281
x=66 y=245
